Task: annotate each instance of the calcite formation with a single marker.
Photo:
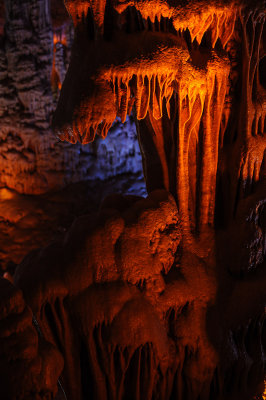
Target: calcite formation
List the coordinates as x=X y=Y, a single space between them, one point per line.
x=30 y=160
x=136 y=314
x=164 y=297
x=35 y=44
x=35 y=47
x=184 y=79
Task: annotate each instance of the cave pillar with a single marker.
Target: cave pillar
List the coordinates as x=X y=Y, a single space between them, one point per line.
x=180 y=150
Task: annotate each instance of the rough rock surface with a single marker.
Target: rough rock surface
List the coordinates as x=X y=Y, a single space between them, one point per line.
x=34 y=54
x=163 y=297
x=136 y=315
x=22 y=349
x=29 y=222
x=35 y=48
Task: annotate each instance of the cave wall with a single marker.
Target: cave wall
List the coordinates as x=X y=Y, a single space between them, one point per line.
x=35 y=47
x=156 y=298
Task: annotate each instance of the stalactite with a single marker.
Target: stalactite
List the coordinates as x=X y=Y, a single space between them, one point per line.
x=142 y=299
x=189 y=114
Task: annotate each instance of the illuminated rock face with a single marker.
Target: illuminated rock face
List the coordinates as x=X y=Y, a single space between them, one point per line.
x=164 y=297
x=192 y=74
x=138 y=315
x=31 y=161
x=34 y=55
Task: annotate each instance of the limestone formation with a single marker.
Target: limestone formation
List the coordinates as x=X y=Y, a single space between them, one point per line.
x=30 y=160
x=163 y=297
x=29 y=366
x=35 y=45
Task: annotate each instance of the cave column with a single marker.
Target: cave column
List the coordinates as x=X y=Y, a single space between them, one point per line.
x=189 y=114
x=211 y=121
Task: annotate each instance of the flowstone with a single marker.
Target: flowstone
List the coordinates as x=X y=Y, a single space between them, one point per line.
x=164 y=297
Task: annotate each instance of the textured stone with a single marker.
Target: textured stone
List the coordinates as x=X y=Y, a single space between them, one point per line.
x=34 y=55
x=163 y=297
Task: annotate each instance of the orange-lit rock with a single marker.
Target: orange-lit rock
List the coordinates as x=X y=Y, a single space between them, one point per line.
x=31 y=158
x=191 y=72
x=124 y=298
x=176 y=66
x=164 y=297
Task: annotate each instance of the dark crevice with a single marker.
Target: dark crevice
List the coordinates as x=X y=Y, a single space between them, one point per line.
x=52 y=324
x=199 y=175
x=110 y=21
x=87 y=379
x=219 y=215
x=253 y=127
x=150 y=24
x=187 y=38
x=136 y=387
x=157 y=24
x=260 y=131
x=218 y=45
x=262 y=72
x=206 y=41
x=250 y=30
x=90 y=24
x=237 y=195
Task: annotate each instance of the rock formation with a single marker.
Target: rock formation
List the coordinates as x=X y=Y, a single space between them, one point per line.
x=35 y=45
x=29 y=366
x=164 y=297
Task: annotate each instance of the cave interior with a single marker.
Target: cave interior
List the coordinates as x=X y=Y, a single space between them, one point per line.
x=132 y=200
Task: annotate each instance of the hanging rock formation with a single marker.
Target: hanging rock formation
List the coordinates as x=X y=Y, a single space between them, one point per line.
x=183 y=78
x=164 y=297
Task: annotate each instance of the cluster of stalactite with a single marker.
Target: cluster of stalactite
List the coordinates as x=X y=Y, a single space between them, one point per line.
x=138 y=298
x=104 y=359
x=143 y=80
x=192 y=128
x=246 y=133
